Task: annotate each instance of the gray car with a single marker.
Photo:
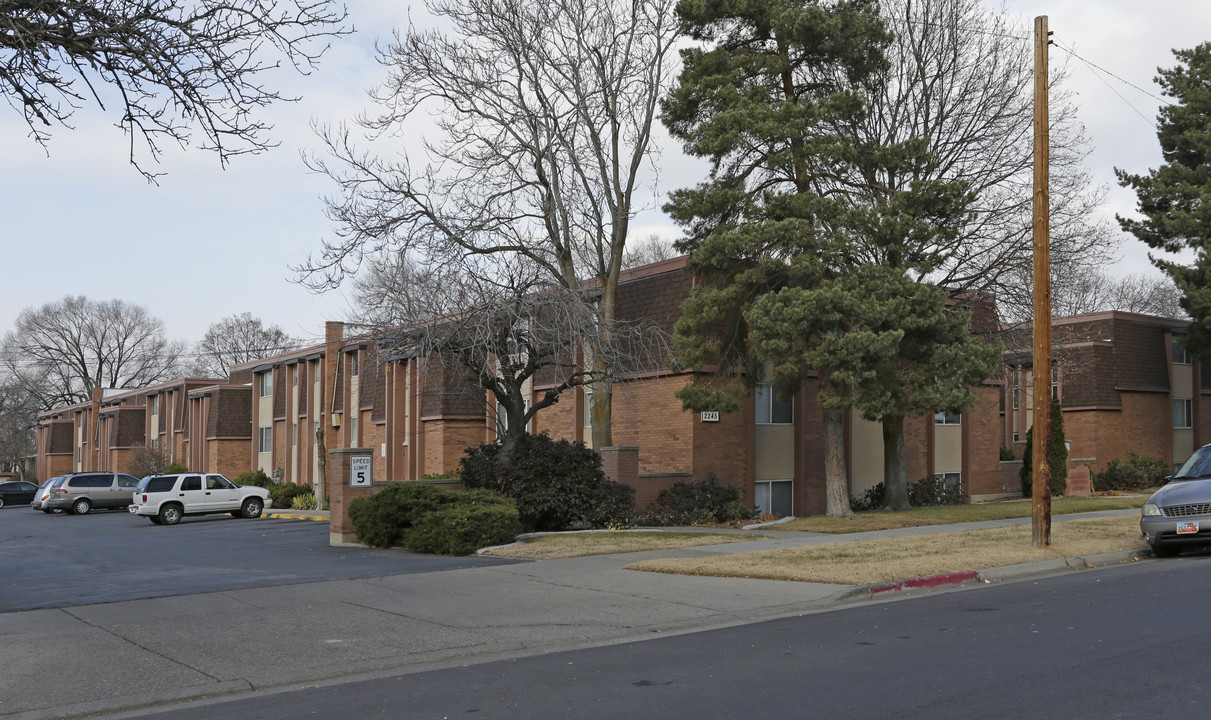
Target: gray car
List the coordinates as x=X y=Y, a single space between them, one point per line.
x=79 y=493
x=1178 y=516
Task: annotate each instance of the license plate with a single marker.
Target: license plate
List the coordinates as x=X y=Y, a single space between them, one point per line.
x=1188 y=527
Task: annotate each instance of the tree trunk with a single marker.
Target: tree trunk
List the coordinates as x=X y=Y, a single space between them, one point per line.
x=321 y=477
x=602 y=404
x=835 y=481
x=895 y=483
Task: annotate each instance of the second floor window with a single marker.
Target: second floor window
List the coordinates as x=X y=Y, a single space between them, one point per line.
x=1183 y=415
x=771 y=409
x=265 y=384
x=1180 y=355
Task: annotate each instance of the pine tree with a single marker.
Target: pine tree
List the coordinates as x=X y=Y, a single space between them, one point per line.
x=1175 y=199
x=810 y=265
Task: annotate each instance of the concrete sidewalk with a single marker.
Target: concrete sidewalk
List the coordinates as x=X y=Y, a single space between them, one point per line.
x=77 y=661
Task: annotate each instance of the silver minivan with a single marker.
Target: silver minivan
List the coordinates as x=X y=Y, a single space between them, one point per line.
x=79 y=493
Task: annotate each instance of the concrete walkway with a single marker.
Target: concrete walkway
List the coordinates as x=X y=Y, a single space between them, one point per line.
x=77 y=661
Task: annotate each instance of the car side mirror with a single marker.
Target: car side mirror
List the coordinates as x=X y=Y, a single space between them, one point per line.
x=1167 y=480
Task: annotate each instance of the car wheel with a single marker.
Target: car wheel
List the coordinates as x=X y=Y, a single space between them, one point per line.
x=1 y=501
x=82 y=506
x=170 y=514
x=252 y=508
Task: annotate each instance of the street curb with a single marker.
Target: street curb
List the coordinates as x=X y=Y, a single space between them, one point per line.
x=1002 y=573
x=954 y=578
x=294 y=516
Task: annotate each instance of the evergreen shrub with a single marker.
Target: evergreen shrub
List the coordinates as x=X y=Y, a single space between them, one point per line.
x=557 y=484
x=928 y=491
x=1137 y=474
x=1058 y=456
x=391 y=517
x=698 y=502
x=464 y=528
x=176 y=468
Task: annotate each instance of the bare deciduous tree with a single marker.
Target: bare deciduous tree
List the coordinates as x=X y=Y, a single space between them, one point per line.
x=63 y=350
x=504 y=326
x=544 y=114
x=960 y=80
x=1096 y=291
x=17 y=410
x=237 y=339
x=652 y=249
x=166 y=66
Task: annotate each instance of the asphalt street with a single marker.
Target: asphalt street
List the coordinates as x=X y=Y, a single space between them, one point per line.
x=109 y=556
x=1105 y=643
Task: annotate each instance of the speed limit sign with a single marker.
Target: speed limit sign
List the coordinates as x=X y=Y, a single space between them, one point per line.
x=359 y=470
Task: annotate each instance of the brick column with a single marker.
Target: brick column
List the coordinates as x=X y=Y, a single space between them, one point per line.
x=621 y=464
x=341 y=493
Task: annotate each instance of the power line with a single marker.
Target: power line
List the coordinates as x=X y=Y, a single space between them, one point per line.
x=1100 y=71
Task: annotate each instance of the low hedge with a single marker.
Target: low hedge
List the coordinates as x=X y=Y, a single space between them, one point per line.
x=418 y=515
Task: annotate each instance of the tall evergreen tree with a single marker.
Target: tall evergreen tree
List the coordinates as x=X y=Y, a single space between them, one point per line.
x=1175 y=199
x=808 y=260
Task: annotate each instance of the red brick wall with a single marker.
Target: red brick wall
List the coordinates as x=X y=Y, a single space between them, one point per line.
x=227 y=457
x=446 y=440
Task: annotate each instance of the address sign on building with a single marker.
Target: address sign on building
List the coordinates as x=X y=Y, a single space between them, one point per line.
x=710 y=416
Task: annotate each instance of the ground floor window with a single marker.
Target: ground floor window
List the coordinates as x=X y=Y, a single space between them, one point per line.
x=773 y=497
x=952 y=480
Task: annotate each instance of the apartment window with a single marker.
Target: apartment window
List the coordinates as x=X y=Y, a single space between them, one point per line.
x=294 y=375
x=1180 y=355
x=294 y=434
x=353 y=363
x=946 y=418
x=353 y=426
x=502 y=418
x=952 y=480
x=265 y=442
x=771 y=409
x=1183 y=415
x=155 y=443
x=265 y=383
x=773 y=497
x=1016 y=388
x=588 y=408
x=155 y=404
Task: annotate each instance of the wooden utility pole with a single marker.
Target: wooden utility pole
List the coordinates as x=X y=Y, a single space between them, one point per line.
x=1041 y=508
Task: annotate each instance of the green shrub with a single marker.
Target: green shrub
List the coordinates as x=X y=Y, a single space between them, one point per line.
x=391 y=516
x=698 y=502
x=557 y=484
x=928 y=491
x=1006 y=454
x=1139 y=473
x=1058 y=456
x=304 y=501
x=447 y=475
x=283 y=494
x=256 y=478
x=176 y=468
x=464 y=528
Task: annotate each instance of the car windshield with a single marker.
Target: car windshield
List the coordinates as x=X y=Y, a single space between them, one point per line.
x=1198 y=466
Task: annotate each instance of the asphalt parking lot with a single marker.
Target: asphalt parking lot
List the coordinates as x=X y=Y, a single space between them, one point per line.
x=61 y=560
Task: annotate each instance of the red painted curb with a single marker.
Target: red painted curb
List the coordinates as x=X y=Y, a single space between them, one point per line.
x=932 y=581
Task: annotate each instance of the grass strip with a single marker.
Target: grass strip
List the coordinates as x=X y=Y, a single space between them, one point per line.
x=950 y=514
x=864 y=562
x=569 y=545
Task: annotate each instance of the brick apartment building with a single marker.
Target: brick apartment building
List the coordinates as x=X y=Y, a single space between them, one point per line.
x=1124 y=383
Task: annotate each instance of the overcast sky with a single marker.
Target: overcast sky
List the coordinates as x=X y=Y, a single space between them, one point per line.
x=207 y=243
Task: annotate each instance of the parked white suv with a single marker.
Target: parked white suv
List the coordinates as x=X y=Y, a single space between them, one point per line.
x=165 y=499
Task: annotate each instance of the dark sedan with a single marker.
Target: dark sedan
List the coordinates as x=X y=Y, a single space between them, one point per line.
x=17 y=492
x=1178 y=515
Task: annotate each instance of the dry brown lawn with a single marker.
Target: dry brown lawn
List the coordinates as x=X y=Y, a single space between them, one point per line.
x=567 y=545
x=864 y=562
